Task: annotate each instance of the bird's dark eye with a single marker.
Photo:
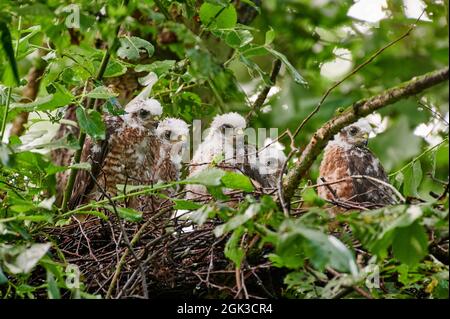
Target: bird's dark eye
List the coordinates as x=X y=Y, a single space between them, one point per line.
x=144 y=113
x=167 y=135
x=353 y=130
x=224 y=127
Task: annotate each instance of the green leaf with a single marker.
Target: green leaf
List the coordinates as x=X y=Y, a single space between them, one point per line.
x=253 y=67
x=297 y=242
x=252 y=4
x=7 y=45
x=128 y=214
x=101 y=92
x=237 y=181
x=114 y=68
x=270 y=36
x=292 y=70
x=396 y=145
x=131 y=47
x=185 y=204
x=208 y=177
x=61 y=97
x=238 y=38
x=238 y=220
x=412 y=179
x=3 y=278
x=160 y=68
x=310 y=197
x=218 y=17
x=91 y=123
x=255 y=51
x=52 y=287
x=233 y=249
x=22 y=259
x=410 y=244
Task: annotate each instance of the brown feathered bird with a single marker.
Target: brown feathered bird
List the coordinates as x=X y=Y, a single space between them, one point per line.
x=351 y=174
x=127 y=155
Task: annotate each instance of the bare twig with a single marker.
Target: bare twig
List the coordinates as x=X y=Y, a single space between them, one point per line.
x=125 y=235
x=353 y=72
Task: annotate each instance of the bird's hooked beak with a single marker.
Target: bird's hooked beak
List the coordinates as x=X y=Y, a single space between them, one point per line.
x=155 y=122
x=181 y=138
x=365 y=137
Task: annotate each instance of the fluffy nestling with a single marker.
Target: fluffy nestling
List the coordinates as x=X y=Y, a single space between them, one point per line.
x=126 y=156
x=224 y=132
x=347 y=155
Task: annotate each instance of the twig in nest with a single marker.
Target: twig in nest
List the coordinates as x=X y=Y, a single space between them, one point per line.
x=125 y=235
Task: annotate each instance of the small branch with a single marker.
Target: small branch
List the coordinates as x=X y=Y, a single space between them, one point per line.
x=352 y=114
x=353 y=72
x=133 y=241
x=263 y=95
x=359 y=290
x=125 y=235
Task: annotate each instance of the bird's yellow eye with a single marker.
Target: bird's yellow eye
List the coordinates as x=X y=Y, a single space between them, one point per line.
x=156 y=117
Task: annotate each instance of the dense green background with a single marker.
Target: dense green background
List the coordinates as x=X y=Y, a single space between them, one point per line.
x=210 y=64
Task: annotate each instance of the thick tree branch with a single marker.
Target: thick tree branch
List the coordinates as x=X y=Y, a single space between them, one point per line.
x=352 y=114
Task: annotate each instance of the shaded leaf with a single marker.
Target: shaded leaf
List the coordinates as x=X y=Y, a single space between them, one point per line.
x=185 y=204
x=91 y=122
x=7 y=45
x=410 y=244
x=292 y=70
x=20 y=259
x=131 y=47
x=101 y=92
x=208 y=177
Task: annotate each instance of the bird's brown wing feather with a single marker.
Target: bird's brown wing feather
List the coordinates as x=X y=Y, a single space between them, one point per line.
x=334 y=167
x=84 y=182
x=361 y=161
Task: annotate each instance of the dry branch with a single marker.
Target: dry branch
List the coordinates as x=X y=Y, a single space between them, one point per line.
x=352 y=114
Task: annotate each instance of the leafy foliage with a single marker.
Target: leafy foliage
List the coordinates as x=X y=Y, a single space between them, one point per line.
x=211 y=58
